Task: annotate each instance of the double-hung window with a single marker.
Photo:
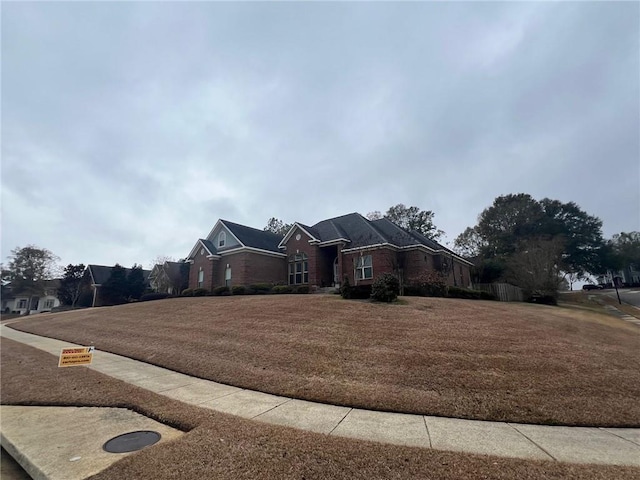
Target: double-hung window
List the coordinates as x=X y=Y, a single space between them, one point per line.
x=298 y=269
x=200 y=278
x=222 y=239
x=364 y=267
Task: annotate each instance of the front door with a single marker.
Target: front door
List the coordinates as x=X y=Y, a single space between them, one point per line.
x=336 y=273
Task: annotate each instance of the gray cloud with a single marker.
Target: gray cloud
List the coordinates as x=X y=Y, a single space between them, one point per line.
x=129 y=128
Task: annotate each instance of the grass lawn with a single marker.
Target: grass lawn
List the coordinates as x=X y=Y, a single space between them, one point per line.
x=595 y=301
x=225 y=447
x=458 y=358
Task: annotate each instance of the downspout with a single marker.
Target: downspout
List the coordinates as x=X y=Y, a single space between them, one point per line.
x=95 y=290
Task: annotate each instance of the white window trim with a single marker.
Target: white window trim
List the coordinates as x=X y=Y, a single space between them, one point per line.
x=361 y=268
x=222 y=239
x=200 y=278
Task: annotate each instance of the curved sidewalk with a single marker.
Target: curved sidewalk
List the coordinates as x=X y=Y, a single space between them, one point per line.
x=613 y=446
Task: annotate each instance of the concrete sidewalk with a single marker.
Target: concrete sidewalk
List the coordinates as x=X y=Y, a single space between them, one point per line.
x=615 y=446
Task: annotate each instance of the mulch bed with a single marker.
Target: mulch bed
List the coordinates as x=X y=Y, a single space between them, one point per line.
x=225 y=447
x=457 y=358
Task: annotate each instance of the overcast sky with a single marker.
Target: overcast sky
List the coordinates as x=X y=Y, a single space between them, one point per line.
x=129 y=128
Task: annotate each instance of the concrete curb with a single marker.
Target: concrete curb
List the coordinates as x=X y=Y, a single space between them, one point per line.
x=612 y=446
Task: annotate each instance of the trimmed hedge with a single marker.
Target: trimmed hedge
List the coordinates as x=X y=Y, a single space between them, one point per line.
x=260 y=288
x=238 y=290
x=187 y=292
x=301 y=289
x=282 y=289
x=457 y=292
x=147 y=297
x=200 y=292
x=221 y=291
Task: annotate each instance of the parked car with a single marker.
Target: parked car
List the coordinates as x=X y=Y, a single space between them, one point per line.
x=590 y=286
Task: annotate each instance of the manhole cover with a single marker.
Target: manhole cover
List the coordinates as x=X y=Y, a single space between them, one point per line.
x=132 y=441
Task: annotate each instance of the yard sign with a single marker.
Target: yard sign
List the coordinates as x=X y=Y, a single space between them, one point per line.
x=74 y=356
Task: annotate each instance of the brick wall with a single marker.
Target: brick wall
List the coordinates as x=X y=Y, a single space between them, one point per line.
x=249 y=267
x=208 y=266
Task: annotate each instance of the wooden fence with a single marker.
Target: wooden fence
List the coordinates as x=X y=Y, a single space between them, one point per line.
x=505 y=292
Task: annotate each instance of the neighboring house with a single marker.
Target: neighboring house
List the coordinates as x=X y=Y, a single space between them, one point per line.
x=234 y=254
x=15 y=302
x=170 y=277
x=322 y=255
x=627 y=277
x=95 y=276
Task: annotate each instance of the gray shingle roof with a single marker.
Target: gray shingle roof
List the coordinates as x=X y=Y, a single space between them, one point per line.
x=362 y=232
x=353 y=227
x=102 y=273
x=252 y=237
x=210 y=246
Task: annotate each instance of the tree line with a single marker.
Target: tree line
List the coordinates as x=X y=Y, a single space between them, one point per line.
x=536 y=244
x=31 y=267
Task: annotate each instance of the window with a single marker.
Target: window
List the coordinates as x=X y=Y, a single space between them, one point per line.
x=48 y=304
x=222 y=239
x=298 y=269
x=364 y=267
x=22 y=304
x=200 y=278
x=227 y=276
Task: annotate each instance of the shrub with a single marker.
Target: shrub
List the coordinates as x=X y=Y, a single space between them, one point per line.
x=200 y=292
x=261 y=288
x=430 y=284
x=301 y=289
x=223 y=290
x=282 y=289
x=487 y=295
x=345 y=289
x=385 y=288
x=543 y=298
x=361 y=291
x=238 y=290
x=153 y=296
x=187 y=292
x=457 y=292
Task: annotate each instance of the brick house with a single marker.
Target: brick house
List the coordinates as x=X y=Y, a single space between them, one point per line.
x=233 y=254
x=322 y=255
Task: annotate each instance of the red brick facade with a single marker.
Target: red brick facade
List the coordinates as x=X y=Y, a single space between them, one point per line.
x=249 y=268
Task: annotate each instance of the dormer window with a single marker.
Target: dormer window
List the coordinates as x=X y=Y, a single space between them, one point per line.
x=222 y=239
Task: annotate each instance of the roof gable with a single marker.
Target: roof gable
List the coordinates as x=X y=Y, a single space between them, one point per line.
x=308 y=231
x=252 y=237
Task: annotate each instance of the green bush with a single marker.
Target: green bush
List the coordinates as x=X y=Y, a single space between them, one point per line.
x=223 y=290
x=487 y=296
x=385 y=288
x=345 y=288
x=456 y=292
x=200 y=292
x=260 y=288
x=238 y=290
x=301 y=289
x=187 y=292
x=282 y=289
x=153 y=296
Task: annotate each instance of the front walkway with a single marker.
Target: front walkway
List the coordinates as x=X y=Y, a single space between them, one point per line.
x=614 y=446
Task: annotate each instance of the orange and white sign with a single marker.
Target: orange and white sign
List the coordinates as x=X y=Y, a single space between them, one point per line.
x=74 y=356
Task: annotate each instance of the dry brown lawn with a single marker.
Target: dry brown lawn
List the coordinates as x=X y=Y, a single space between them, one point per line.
x=457 y=358
x=219 y=446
